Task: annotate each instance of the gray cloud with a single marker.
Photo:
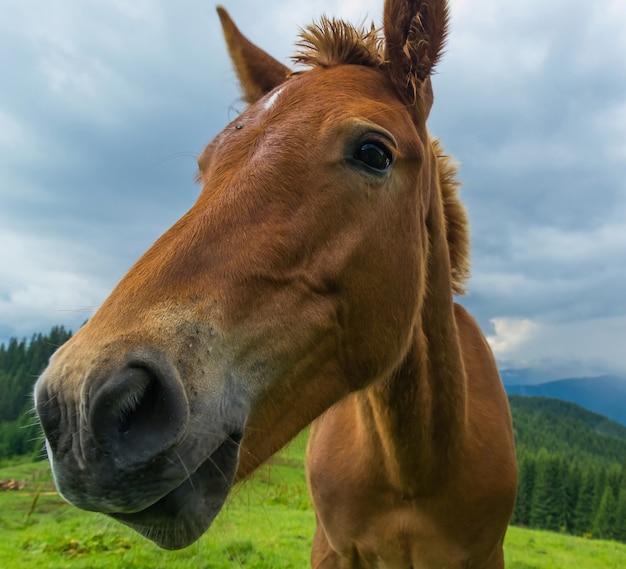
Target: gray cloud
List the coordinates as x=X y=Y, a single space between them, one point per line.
x=105 y=106
x=532 y=98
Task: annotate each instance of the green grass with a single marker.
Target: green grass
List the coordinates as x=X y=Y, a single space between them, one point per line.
x=531 y=549
x=266 y=524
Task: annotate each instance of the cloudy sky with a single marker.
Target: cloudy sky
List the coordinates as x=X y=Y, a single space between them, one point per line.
x=105 y=104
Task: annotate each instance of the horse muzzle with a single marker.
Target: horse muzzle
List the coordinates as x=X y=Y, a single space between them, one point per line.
x=123 y=442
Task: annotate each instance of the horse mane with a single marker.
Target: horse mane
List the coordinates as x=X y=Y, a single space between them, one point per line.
x=457 y=222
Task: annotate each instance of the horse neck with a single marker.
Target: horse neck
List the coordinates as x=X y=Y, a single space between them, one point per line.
x=418 y=412
x=418 y=417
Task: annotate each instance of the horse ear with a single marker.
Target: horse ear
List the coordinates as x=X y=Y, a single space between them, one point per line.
x=415 y=33
x=258 y=72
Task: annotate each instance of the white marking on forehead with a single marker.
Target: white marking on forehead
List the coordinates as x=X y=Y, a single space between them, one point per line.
x=272 y=100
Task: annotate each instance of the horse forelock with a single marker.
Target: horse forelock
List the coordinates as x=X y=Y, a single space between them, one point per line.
x=330 y=42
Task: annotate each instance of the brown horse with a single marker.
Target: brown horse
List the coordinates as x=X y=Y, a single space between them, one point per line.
x=317 y=268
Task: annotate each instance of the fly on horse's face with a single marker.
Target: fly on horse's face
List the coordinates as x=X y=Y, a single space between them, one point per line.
x=320 y=258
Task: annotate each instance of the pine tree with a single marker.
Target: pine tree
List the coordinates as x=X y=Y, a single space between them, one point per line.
x=20 y=365
x=585 y=505
x=606 y=516
x=526 y=485
x=619 y=527
x=573 y=476
x=547 y=510
x=600 y=486
x=614 y=478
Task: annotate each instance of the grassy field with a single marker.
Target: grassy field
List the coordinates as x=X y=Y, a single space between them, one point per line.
x=267 y=524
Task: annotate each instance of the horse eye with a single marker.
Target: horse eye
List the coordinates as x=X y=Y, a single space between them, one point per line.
x=375 y=156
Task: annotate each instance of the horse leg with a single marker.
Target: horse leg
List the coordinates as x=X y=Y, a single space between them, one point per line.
x=323 y=556
x=497 y=559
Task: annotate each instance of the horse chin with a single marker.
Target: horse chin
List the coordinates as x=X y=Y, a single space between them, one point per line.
x=181 y=516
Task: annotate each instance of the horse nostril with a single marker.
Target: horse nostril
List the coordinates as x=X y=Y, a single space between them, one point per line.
x=138 y=413
x=49 y=411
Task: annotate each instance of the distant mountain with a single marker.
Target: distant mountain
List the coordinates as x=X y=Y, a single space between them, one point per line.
x=605 y=394
x=548 y=371
x=523 y=376
x=567 y=429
